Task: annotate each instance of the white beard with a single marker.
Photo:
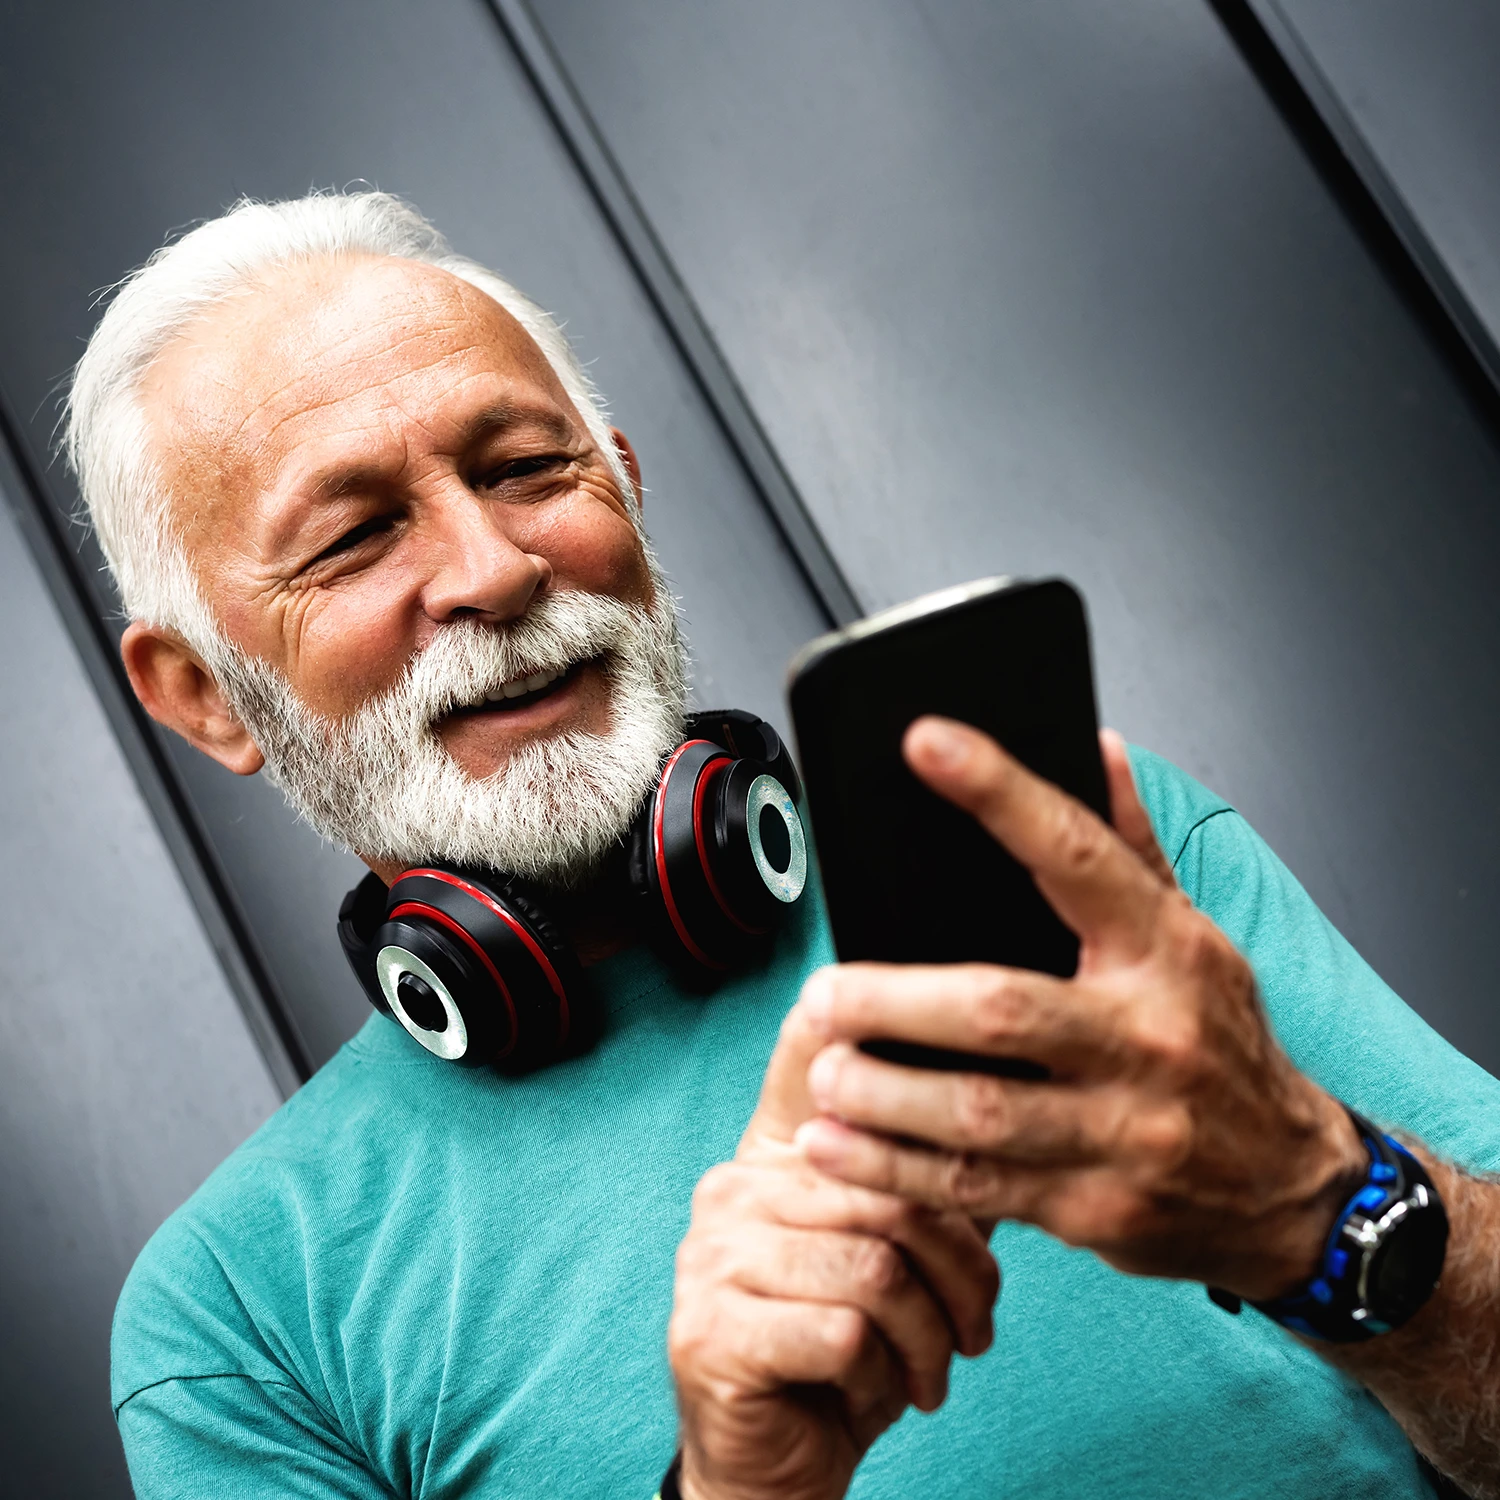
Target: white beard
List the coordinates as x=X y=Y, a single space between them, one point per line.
x=380 y=781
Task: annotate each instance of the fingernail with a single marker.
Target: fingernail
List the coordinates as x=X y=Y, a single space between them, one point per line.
x=945 y=745
x=817 y=996
x=823 y=1075
x=809 y=1137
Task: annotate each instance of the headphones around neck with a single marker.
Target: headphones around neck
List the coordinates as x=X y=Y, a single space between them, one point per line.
x=471 y=964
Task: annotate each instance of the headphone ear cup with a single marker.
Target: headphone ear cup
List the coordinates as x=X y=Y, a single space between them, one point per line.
x=760 y=845
x=667 y=871
x=475 y=971
x=579 y=1029
x=747 y=737
x=360 y=915
x=717 y=856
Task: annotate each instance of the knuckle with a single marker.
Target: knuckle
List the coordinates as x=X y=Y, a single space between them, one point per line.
x=1123 y=1221
x=701 y=1258
x=803 y=1019
x=1075 y=842
x=900 y=1217
x=996 y=1007
x=982 y=1114
x=879 y=1270
x=1163 y=1138
x=1170 y=1038
x=843 y=1332
x=965 y=1180
x=688 y=1339
x=1101 y=1218
x=717 y=1189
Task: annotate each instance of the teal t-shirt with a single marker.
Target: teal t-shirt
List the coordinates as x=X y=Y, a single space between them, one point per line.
x=418 y=1280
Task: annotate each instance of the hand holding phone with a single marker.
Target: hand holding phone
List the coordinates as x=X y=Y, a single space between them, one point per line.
x=908 y=877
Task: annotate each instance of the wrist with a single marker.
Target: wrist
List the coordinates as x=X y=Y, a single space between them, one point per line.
x=1334 y=1166
x=670 y=1487
x=1383 y=1256
x=686 y=1474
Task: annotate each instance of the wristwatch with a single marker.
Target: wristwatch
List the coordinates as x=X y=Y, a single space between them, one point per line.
x=1382 y=1259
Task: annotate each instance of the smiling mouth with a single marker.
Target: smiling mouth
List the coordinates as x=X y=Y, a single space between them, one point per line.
x=524 y=691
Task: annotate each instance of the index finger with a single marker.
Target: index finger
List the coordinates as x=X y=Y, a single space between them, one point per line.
x=1091 y=879
x=974 y=1008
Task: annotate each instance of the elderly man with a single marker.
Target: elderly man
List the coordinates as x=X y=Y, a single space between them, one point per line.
x=374 y=536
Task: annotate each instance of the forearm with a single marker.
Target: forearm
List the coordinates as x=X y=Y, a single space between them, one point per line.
x=1439 y=1375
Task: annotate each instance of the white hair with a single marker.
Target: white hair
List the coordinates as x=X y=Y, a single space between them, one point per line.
x=106 y=431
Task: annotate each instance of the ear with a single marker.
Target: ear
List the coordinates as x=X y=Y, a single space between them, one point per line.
x=177 y=690
x=632 y=463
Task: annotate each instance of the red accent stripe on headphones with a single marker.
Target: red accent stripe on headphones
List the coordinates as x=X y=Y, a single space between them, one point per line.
x=660 y=855
x=432 y=914
x=532 y=946
x=711 y=773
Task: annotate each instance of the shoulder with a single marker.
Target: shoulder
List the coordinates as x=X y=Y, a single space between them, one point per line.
x=1225 y=867
x=210 y=1292
x=1336 y=1018
x=1178 y=805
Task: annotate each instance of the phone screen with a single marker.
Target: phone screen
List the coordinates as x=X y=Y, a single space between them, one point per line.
x=908 y=877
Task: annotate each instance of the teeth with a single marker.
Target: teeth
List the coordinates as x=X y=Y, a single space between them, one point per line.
x=523 y=685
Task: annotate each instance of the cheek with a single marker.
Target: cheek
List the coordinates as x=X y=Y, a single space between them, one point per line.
x=592 y=546
x=352 y=643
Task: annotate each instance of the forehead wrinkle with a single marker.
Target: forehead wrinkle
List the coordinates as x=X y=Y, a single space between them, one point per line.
x=376 y=383
x=432 y=306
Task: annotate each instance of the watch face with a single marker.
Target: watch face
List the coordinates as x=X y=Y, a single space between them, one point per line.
x=1404 y=1268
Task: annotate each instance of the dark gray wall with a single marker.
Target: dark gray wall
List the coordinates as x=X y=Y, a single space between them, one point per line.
x=1410 y=93
x=1053 y=289
x=1028 y=288
x=126 y=1070
x=159 y=114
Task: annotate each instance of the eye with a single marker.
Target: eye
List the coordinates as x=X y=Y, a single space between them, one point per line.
x=524 y=468
x=352 y=538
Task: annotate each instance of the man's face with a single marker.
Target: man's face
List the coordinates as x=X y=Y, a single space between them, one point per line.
x=375 y=449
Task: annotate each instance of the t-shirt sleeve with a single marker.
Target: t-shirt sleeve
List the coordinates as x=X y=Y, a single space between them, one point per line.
x=1339 y=1022
x=213 y=1391
x=236 y=1438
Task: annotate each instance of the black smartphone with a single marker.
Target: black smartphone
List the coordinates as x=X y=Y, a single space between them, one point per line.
x=908 y=877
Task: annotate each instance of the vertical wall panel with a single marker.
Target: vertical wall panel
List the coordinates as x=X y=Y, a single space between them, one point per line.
x=1409 y=94
x=126 y=1071
x=1052 y=288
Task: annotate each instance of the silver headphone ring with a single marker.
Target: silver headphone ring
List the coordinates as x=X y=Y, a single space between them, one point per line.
x=767 y=792
x=390 y=964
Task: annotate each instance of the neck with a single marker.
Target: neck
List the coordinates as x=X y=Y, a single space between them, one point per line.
x=598 y=920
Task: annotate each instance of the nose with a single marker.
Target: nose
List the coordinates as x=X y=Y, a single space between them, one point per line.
x=479 y=570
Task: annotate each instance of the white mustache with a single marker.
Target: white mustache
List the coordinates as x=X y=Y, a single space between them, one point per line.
x=467 y=662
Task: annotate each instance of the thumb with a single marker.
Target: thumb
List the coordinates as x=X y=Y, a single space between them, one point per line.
x=785 y=1100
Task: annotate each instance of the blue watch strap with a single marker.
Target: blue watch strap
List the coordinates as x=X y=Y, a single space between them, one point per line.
x=1338 y=1303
